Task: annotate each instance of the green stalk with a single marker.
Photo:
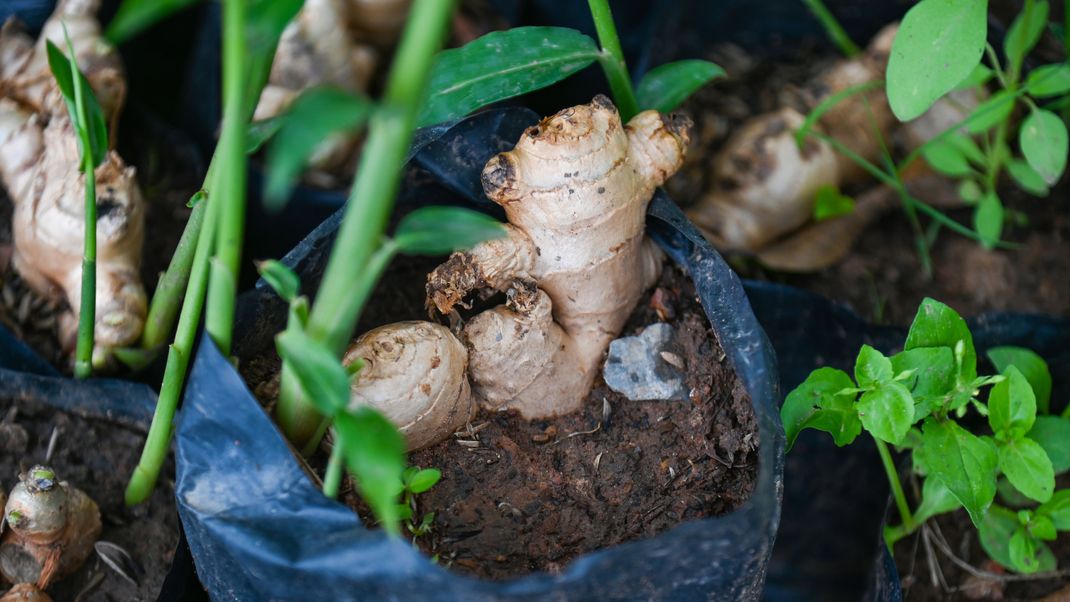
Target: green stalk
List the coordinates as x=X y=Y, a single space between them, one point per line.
x=87 y=312
x=612 y=60
x=371 y=200
x=897 y=487
x=230 y=185
x=333 y=477
x=833 y=28
x=156 y=445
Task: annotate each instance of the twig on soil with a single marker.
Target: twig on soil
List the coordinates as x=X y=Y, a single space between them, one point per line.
x=576 y=434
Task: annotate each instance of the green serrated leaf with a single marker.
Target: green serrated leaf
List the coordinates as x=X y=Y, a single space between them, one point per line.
x=817 y=404
x=1053 y=434
x=936 y=499
x=424 y=480
x=665 y=87
x=375 y=455
x=1049 y=80
x=1027 y=468
x=887 y=412
x=990 y=113
x=317 y=114
x=284 y=281
x=1032 y=366
x=501 y=65
x=932 y=379
x=997 y=533
x=1043 y=140
x=1057 y=509
x=437 y=230
x=1012 y=406
x=1024 y=553
x=1027 y=178
x=872 y=367
x=965 y=463
x=938 y=45
x=829 y=202
x=937 y=325
x=988 y=220
x=135 y=16
x=95 y=127
x=1024 y=32
x=319 y=373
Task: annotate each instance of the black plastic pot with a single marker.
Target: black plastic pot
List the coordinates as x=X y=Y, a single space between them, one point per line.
x=259 y=529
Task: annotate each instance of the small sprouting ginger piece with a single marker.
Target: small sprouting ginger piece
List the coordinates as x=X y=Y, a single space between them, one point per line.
x=52 y=527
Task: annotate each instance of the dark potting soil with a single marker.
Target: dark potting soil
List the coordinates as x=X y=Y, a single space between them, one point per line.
x=98 y=458
x=518 y=496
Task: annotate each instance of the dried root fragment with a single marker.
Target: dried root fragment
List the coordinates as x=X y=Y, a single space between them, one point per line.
x=25 y=592
x=52 y=527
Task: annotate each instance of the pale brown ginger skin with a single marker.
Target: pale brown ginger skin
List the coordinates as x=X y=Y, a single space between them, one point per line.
x=25 y=592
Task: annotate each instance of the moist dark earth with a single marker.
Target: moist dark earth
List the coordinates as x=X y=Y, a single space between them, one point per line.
x=98 y=458
x=518 y=496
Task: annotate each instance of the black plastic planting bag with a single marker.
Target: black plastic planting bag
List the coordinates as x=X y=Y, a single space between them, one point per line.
x=829 y=546
x=259 y=529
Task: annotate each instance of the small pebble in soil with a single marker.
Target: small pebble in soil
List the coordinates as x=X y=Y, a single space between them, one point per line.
x=646 y=366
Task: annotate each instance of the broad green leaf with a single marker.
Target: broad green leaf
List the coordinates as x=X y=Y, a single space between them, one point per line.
x=988 y=220
x=939 y=43
x=872 y=368
x=937 y=325
x=135 y=16
x=964 y=462
x=1053 y=434
x=936 y=499
x=967 y=146
x=665 y=87
x=1010 y=495
x=424 y=480
x=1049 y=80
x=1027 y=178
x=281 y=278
x=996 y=532
x=830 y=202
x=1032 y=366
x=887 y=412
x=315 y=115
x=933 y=376
x=990 y=113
x=501 y=65
x=1057 y=509
x=1043 y=140
x=1027 y=468
x=1042 y=528
x=1012 y=406
x=375 y=455
x=1024 y=32
x=437 y=230
x=816 y=404
x=95 y=126
x=1025 y=551
x=319 y=373
x=946 y=158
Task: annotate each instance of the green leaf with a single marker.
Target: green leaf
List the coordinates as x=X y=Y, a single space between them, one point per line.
x=990 y=113
x=988 y=220
x=264 y=22
x=872 y=368
x=936 y=499
x=260 y=132
x=315 y=115
x=1032 y=366
x=319 y=373
x=1042 y=528
x=1049 y=80
x=932 y=379
x=1057 y=509
x=1027 y=468
x=1010 y=495
x=964 y=462
x=1027 y=178
x=437 y=230
x=281 y=278
x=375 y=455
x=887 y=412
x=939 y=43
x=937 y=325
x=946 y=158
x=970 y=191
x=830 y=203
x=95 y=127
x=501 y=65
x=1012 y=406
x=997 y=532
x=135 y=16
x=1053 y=434
x=665 y=87
x=1043 y=140
x=816 y=404
x=1024 y=551
x=424 y=480
x=978 y=77
x=1024 y=32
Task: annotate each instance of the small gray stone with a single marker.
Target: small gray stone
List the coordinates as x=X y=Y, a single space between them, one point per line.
x=636 y=367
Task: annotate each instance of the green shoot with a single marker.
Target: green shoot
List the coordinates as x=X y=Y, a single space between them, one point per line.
x=833 y=29
x=612 y=60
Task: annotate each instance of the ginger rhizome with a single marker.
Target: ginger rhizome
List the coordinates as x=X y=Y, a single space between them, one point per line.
x=40 y=169
x=573 y=264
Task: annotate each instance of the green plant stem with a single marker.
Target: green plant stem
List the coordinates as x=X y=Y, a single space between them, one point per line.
x=332 y=479
x=371 y=200
x=833 y=28
x=230 y=183
x=612 y=60
x=897 y=487
x=87 y=311
x=153 y=454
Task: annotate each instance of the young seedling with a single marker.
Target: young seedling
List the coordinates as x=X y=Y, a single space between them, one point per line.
x=917 y=399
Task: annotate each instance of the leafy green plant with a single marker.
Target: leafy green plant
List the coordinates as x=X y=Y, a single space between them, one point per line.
x=917 y=400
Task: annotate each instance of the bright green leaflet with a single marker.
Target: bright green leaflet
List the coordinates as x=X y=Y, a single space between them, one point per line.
x=1053 y=434
x=438 y=230
x=965 y=463
x=134 y=16
x=816 y=404
x=1043 y=139
x=1027 y=468
x=1032 y=367
x=666 y=86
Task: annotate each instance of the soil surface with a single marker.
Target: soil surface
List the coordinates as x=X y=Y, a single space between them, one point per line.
x=98 y=458
x=518 y=496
